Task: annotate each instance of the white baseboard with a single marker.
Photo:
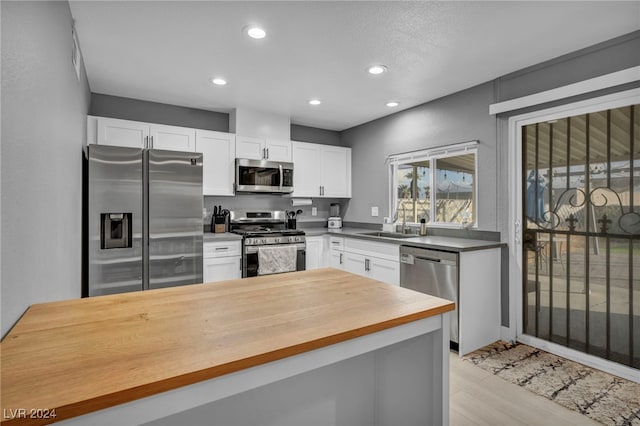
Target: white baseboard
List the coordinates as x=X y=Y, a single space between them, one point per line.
x=507 y=334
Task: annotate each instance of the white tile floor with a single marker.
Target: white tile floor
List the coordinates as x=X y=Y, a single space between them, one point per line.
x=477 y=397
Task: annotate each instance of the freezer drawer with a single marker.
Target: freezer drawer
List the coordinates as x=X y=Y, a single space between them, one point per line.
x=432 y=272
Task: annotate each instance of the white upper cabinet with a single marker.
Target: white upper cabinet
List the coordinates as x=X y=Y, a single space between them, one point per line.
x=111 y=131
x=218 y=150
x=336 y=172
x=306 y=169
x=172 y=138
x=278 y=150
x=247 y=147
x=263 y=149
x=321 y=170
x=136 y=134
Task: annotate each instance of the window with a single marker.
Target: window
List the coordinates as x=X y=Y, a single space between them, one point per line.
x=438 y=185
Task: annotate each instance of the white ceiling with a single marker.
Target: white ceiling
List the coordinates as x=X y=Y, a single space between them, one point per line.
x=167 y=51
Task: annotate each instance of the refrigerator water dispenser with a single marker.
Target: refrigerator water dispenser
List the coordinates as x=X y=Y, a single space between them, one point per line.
x=115 y=230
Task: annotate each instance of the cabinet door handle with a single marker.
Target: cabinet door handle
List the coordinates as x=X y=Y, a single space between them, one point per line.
x=267 y=153
x=151 y=142
x=366 y=265
x=222 y=248
x=341 y=258
x=146 y=142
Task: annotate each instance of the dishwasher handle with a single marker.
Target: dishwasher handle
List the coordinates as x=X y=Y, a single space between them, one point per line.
x=428 y=259
x=411 y=259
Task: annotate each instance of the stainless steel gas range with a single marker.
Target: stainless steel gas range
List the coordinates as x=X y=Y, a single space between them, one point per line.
x=268 y=247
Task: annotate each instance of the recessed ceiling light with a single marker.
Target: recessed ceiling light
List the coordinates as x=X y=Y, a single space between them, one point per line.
x=392 y=104
x=377 y=69
x=256 y=32
x=219 y=81
x=315 y=102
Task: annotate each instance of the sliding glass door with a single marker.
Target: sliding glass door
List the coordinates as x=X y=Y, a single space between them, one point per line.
x=581 y=207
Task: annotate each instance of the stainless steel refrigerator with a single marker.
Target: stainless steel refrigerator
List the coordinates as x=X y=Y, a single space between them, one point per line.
x=142 y=219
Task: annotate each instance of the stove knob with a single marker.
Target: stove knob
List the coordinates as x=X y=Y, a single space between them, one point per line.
x=277 y=240
x=263 y=241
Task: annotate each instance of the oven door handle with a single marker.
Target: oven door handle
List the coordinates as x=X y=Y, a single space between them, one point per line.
x=254 y=249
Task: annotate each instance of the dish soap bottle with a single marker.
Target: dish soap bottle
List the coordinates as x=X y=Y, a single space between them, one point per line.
x=423 y=227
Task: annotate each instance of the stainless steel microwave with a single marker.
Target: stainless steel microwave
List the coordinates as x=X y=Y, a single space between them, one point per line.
x=264 y=176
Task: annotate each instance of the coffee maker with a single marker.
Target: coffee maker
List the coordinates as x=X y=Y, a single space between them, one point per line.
x=335 y=221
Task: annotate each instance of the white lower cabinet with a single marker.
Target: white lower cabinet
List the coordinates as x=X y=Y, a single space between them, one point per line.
x=384 y=270
x=315 y=252
x=372 y=259
x=222 y=261
x=336 y=252
x=336 y=259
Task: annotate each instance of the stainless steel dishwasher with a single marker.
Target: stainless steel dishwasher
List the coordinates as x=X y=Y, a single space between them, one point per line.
x=432 y=272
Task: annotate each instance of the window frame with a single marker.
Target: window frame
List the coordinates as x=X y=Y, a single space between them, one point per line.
x=433 y=155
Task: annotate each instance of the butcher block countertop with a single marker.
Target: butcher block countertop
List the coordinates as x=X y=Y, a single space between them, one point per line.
x=78 y=356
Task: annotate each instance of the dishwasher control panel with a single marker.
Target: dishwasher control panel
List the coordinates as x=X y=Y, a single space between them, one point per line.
x=407 y=258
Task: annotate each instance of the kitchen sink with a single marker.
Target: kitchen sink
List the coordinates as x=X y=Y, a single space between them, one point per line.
x=388 y=234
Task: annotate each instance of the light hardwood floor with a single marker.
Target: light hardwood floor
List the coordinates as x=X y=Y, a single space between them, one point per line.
x=477 y=397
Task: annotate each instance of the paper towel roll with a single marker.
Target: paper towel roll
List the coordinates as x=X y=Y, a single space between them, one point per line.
x=301 y=201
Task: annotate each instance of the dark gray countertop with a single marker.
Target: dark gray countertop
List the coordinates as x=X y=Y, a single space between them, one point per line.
x=431 y=242
x=210 y=237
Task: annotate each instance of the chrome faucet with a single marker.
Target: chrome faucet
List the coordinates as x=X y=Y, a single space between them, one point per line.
x=405 y=229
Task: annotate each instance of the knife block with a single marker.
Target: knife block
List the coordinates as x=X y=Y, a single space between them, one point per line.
x=219 y=225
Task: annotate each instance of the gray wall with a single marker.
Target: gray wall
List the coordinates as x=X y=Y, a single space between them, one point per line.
x=153 y=112
x=315 y=135
x=460 y=117
x=464 y=116
x=44 y=109
x=604 y=58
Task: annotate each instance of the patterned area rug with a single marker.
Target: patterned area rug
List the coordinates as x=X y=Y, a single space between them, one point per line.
x=603 y=397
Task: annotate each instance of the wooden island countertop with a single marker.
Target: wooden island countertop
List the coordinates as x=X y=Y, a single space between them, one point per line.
x=83 y=355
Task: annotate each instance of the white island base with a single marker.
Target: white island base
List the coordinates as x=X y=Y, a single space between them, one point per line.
x=398 y=376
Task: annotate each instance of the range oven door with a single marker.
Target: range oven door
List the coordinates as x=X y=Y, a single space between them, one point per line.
x=250 y=263
x=263 y=176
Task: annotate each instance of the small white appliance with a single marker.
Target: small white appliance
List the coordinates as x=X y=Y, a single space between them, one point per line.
x=335 y=222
